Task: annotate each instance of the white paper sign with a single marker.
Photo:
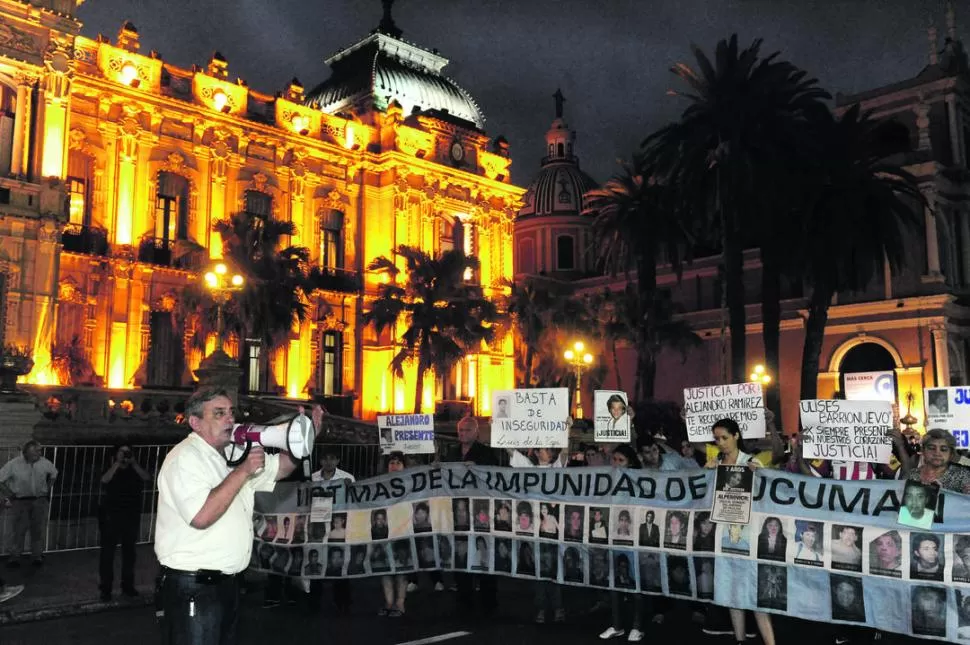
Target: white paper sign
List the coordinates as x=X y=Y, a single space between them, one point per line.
x=948 y=408
x=412 y=434
x=533 y=418
x=743 y=402
x=870 y=386
x=847 y=430
x=732 y=494
x=611 y=416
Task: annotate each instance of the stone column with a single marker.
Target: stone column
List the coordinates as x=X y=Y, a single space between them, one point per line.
x=941 y=357
x=932 y=241
x=21 y=127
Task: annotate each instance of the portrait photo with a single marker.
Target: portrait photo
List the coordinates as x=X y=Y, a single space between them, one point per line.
x=501 y=407
x=650 y=578
x=599 y=567
x=461 y=514
x=525 y=558
x=926 y=559
x=678 y=575
x=573 y=526
x=424 y=545
x=503 y=515
x=338 y=528
x=296 y=561
x=421 y=517
x=848 y=601
x=503 y=555
x=846 y=547
x=299 y=529
x=649 y=531
x=704 y=577
x=481 y=515
x=937 y=402
x=378 y=524
x=735 y=540
x=387 y=439
x=703 y=532
x=281 y=559
x=313 y=565
x=402 y=552
x=482 y=556
x=378 y=558
x=809 y=544
x=572 y=565
x=886 y=555
x=675 y=531
x=961 y=558
x=773 y=587
x=928 y=606
x=524 y=519
x=358 y=560
x=444 y=551
x=963 y=615
x=549 y=520
x=549 y=560
x=285 y=532
x=623 y=574
x=461 y=552
x=599 y=522
x=772 y=541
x=269 y=528
x=622 y=530
x=262 y=555
x=919 y=505
x=336 y=558
x=318 y=531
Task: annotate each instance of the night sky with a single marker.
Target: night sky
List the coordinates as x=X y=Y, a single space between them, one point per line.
x=610 y=57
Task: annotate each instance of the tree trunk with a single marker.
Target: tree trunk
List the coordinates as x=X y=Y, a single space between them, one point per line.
x=649 y=379
x=771 y=332
x=646 y=293
x=818 y=315
x=419 y=388
x=529 y=358
x=616 y=365
x=734 y=283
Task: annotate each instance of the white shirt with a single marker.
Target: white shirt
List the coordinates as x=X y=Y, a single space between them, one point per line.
x=25 y=479
x=190 y=472
x=518 y=460
x=337 y=474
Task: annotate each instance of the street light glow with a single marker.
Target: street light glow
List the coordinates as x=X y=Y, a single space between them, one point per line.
x=579 y=346
x=569 y=354
x=587 y=358
x=760 y=375
x=221 y=269
x=237 y=280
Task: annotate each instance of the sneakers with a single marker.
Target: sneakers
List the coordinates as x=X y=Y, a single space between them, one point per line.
x=412 y=587
x=439 y=586
x=8 y=592
x=715 y=630
x=611 y=632
x=560 y=616
x=635 y=636
x=540 y=617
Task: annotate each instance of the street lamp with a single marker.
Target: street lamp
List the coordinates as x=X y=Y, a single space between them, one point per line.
x=760 y=375
x=221 y=285
x=578 y=358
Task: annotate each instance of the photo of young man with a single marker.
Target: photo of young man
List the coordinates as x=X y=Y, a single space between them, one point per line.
x=461 y=514
x=846 y=547
x=403 y=554
x=444 y=551
x=961 y=558
x=886 y=555
x=599 y=518
x=425 y=548
x=378 y=524
x=649 y=531
x=573 y=530
x=623 y=527
x=377 y=556
x=461 y=552
x=848 y=601
x=675 y=533
x=358 y=559
x=572 y=565
x=335 y=561
x=421 y=517
x=928 y=605
x=926 y=560
x=549 y=561
x=623 y=576
x=313 y=566
x=919 y=505
x=735 y=540
x=482 y=558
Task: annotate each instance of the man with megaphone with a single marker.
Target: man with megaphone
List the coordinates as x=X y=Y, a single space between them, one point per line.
x=204 y=527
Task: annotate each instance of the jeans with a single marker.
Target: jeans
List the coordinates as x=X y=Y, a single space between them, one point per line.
x=548 y=593
x=199 y=613
x=30 y=514
x=486 y=589
x=617 y=598
x=118 y=528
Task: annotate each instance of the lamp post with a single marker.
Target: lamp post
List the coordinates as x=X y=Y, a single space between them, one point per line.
x=578 y=358
x=760 y=375
x=218 y=369
x=221 y=285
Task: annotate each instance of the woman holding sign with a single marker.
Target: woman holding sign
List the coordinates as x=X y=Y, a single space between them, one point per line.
x=730 y=446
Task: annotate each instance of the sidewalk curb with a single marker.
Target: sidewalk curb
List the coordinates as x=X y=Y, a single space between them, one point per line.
x=14 y=616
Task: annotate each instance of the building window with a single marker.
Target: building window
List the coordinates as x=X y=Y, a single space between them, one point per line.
x=330 y=365
x=458 y=237
x=565 y=253
x=78 y=186
x=331 y=240
x=561 y=150
x=252 y=365
x=259 y=204
x=171 y=207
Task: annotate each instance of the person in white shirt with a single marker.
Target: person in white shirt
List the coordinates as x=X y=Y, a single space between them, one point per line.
x=26 y=482
x=329 y=471
x=204 y=526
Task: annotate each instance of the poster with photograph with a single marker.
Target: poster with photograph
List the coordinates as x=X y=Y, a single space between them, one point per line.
x=732 y=494
x=743 y=402
x=919 y=505
x=412 y=434
x=949 y=408
x=846 y=430
x=611 y=416
x=321 y=504
x=530 y=418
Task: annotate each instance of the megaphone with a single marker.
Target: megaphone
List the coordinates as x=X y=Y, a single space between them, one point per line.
x=295 y=436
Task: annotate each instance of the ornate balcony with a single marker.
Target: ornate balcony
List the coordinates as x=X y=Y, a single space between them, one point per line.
x=91 y=240
x=156 y=250
x=340 y=280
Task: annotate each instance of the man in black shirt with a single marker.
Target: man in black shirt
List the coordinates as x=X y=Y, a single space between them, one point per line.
x=120 y=517
x=469 y=450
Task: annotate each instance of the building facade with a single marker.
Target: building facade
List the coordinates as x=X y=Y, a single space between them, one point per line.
x=110 y=158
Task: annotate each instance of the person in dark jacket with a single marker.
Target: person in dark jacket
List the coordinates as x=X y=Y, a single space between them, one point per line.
x=120 y=515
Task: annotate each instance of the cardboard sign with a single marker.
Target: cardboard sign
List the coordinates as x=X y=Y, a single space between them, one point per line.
x=732 y=494
x=611 y=416
x=870 y=386
x=948 y=408
x=412 y=434
x=743 y=402
x=847 y=430
x=533 y=418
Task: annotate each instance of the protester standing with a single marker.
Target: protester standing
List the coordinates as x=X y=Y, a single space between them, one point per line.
x=395 y=587
x=330 y=472
x=119 y=519
x=26 y=481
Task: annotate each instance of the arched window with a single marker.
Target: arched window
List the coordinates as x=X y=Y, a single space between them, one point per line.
x=565 y=253
x=331 y=240
x=172 y=207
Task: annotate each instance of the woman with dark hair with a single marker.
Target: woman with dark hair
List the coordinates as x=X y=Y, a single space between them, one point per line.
x=938 y=463
x=730 y=445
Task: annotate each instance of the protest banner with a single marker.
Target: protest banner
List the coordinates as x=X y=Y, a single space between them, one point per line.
x=743 y=402
x=808 y=540
x=847 y=430
x=412 y=434
x=948 y=408
x=870 y=386
x=732 y=494
x=531 y=418
x=611 y=416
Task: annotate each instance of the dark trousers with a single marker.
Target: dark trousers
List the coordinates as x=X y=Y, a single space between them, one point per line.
x=118 y=529
x=198 y=613
x=341 y=592
x=487 y=591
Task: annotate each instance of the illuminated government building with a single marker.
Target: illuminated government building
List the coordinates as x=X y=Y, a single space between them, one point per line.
x=109 y=156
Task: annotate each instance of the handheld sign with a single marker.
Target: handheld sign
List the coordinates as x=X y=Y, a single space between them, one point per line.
x=732 y=494
x=611 y=419
x=412 y=434
x=847 y=430
x=948 y=408
x=743 y=402
x=870 y=386
x=533 y=418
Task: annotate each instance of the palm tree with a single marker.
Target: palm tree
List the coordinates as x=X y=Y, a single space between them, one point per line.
x=446 y=316
x=634 y=231
x=725 y=156
x=527 y=306
x=863 y=211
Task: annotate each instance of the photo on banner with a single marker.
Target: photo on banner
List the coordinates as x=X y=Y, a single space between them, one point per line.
x=886 y=552
x=530 y=418
x=503 y=555
x=358 y=560
x=928 y=606
x=624 y=575
x=809 y=545
x=919 y=505
x=927 y=561
x=573 y=565
x=845 y=542
x=732 y=494
x=622 y=530
x=960 y=571
x=847 y=598
x=858 y=431
x=574 y=530
x=773 y=587
x=676 y=530
x=549 y=560
x=743 y=402
x=611 y=416
x=599 y=567
x=650 y=577
x=704 y=532
x=773 y=539
x=678 y=575
x=412 y=434
x=549 y=520
x=649 y=529
x=735 y=539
